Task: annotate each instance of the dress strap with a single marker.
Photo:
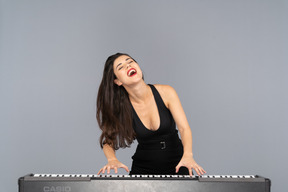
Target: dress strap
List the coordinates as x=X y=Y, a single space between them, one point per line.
x=157 y=96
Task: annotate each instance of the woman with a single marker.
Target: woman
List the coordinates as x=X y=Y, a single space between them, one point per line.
x=128 y=109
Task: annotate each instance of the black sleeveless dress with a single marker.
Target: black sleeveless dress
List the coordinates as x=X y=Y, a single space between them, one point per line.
x=158 y=152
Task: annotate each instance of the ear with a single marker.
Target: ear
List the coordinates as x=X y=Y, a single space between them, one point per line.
x=118 y=82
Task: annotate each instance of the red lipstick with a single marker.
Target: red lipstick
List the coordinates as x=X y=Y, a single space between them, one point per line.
x=131 y=72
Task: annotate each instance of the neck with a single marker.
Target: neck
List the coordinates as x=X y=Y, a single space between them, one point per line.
x=138 y=93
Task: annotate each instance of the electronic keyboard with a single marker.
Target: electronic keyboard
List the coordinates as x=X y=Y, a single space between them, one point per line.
x=142 y=183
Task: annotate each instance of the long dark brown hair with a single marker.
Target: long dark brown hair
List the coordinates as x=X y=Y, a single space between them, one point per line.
x=114 y=111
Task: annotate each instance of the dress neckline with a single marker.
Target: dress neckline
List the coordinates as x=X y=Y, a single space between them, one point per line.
x=157 y=111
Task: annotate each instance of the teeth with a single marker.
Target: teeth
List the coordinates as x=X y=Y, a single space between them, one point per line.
x=132 y=71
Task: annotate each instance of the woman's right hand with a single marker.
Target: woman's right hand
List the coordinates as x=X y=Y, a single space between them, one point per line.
x=113 y=164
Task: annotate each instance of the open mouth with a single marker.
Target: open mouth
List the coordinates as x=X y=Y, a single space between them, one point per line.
x=131 y=72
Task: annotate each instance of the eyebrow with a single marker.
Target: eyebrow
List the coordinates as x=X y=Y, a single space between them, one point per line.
x=118 y=65
x=121 y=63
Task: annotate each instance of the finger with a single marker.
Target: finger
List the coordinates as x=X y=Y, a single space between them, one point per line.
x=126 y=168
x=190 y=172
x=177 y=168
x=115 y=169
x=108 y=170
x=197 y=171
x=104 y=169
x=202 y=171
x=99 y=171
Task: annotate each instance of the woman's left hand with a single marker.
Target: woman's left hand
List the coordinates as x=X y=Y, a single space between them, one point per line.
x=190 y=164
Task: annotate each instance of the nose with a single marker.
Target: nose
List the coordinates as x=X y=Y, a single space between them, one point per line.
x=128 y=65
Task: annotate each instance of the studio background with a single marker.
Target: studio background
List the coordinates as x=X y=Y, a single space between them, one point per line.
x=227 y=60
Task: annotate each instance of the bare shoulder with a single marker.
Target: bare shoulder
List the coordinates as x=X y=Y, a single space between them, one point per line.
x=167 y=93
x=165 y=89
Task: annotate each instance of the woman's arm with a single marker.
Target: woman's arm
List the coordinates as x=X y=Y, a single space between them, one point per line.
x=113 y=162
x=173 y=103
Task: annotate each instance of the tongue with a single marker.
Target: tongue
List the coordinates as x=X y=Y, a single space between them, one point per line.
x=132 y=73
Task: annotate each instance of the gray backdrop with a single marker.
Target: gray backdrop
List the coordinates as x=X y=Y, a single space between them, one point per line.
x=227 y=60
